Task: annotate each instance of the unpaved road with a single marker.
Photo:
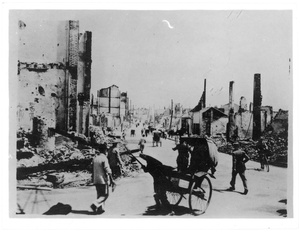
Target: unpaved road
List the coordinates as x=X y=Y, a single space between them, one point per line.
x=133 y=197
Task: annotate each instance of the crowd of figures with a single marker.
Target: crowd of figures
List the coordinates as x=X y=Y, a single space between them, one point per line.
x=192 y=158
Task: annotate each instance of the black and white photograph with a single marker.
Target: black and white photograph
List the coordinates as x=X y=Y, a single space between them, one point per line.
x=151 y=114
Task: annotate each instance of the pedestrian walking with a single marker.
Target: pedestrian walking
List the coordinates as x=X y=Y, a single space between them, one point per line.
x=132 y=132
x=239 y=158
x=114 y=159
x=263 y=150
x=102 y=178
x=142 y=145
x=143 y=132
x=146 y=132
x=183 y=156
x=156 y=138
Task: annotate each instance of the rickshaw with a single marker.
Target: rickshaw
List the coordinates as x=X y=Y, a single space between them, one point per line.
x=196 y=185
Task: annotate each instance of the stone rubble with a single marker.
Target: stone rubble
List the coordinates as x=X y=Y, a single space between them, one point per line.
x=277 y=144
x=73 y=154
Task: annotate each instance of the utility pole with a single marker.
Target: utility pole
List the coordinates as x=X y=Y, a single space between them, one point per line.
x=257 y=98
x=171 y=114
x=231 y=95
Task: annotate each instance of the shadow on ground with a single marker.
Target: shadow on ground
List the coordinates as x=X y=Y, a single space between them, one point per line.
x=256 y=169
x=283 y=201
x=227 y=190
x=59 y=209
x=282 y=212
x=85 y=212
x=174 y=211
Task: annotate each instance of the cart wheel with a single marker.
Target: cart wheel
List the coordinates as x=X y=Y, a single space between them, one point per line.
x=200 y=195
x=174 y=198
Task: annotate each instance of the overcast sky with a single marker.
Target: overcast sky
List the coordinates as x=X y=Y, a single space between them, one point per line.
x=155 y=61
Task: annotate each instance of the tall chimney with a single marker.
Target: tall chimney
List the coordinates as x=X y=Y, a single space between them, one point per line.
x=257 y=98
x=230 y=129
x=231 y=94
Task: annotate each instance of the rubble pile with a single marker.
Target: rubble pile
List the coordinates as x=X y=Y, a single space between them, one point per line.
x=130 y=167
x=62 y=179
x=69 y=165
x=98 y=136
x=40 y=157
x=277 y=145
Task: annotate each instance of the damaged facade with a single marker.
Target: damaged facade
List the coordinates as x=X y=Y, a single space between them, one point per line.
x=110 y=108
x=244 y=121
x=239 y=117
x=124 y=107
x=280 y=122
x=54 y=79
x=208 y=121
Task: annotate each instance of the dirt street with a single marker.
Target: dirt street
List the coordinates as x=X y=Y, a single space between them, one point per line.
x=133 y=197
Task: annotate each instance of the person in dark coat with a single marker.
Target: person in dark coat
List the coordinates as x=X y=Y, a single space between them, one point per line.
x=159 y=172
x=114 y=159
x=183 y=156
x=239 y=158
x=263 y=150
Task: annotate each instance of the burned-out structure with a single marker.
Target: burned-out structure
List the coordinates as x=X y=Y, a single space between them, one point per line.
x=208 y=121
x=248 y=122
x=110 y=108
x=54 y=79
x=235 y=120
x=280 y=122
x=124 y=107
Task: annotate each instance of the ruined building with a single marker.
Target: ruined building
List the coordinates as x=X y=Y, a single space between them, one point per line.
x=239 y=120
x=124 y=107
x=54 y=79
x=110 y=108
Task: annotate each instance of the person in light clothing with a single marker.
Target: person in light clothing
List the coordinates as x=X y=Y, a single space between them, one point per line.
x=142 y=145
x=102 y=177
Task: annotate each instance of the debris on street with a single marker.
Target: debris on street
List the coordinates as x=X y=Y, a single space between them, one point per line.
x=69 y=165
